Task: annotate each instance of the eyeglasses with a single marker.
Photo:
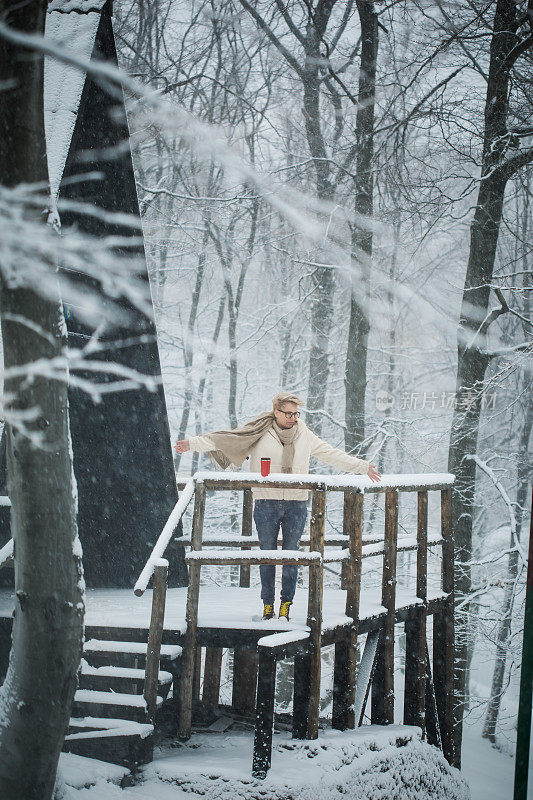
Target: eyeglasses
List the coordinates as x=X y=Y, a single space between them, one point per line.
x=290 y=414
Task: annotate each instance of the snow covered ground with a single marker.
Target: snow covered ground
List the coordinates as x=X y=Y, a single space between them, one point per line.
x=489 y=772
x=370 y=764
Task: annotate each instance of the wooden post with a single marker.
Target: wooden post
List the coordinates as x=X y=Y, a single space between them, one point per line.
x=244 y=680
x=191 y=618
x=346 y=525
x=415 y=629
x=197 y=675
x=344 y=677
x=245 y=660
x=443 y=640
x=383 y=683
x=314 y=608
x=213 y=664
x=264 y=721
x=300 y=703
x=432 y=718
x=155 y=636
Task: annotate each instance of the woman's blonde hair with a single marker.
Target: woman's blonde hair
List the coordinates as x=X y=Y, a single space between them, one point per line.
x=285 y=397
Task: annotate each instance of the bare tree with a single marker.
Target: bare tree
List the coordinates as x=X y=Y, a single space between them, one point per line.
x=502 y=157
x=356 y=355
x=307 y=24
x=37 y=695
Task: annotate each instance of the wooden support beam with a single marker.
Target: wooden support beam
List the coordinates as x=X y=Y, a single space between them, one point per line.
x=365 y=675
x=300 y=703
x=155 y=636
x=443 y=640
x=383 y=683
x=344 y=676
x=197 y=676
x=314 y=608
x=212 y=668
x=432 y=718
x=264 y=721
x=415 y=630
x=191 y=619
x=245 y=663
x=244 y=659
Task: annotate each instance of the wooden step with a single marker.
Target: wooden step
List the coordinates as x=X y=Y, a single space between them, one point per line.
x=127 y=680
x=101 y=652
x=116 y=705
x=115 y=740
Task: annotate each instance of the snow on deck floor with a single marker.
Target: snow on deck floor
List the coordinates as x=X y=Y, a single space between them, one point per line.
x=222 y=607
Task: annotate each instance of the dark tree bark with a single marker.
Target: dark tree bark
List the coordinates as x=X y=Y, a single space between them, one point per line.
x=36 y=697
x=356 y=354
x=498 y=165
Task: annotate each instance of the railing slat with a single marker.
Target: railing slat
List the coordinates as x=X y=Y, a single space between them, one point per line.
x=383 y=683
x=155 y=637
x=165 y=537
x=314 y=608
x=443 y=640
x=344 y=676
x=415 y=629
x=191 y=618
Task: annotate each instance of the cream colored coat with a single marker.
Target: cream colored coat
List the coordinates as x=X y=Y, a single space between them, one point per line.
x=306 y=444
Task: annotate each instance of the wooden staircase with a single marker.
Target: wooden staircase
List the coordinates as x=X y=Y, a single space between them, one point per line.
x=111 y=719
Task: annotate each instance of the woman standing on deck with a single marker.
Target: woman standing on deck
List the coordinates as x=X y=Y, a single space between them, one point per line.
x=282 y=438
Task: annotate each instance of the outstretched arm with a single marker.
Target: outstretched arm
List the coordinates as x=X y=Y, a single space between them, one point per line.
x=198 y=444
x=343 y=461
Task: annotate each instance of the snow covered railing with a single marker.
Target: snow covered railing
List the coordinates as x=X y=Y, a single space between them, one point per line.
x=337 y=483
x=5 y=501
x=6 y=554
x=253 y=541
x=246 y=557
x=239 y=480
x=164 y=537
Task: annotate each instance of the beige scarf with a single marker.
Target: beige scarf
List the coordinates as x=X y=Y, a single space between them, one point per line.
x=233 y=447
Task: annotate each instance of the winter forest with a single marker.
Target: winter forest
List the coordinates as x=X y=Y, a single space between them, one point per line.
x=336 y=200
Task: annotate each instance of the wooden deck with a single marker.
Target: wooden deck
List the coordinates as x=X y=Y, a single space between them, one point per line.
x=368 y=603
x=229 y=616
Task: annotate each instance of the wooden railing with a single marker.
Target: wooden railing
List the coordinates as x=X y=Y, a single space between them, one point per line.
x=428 y=697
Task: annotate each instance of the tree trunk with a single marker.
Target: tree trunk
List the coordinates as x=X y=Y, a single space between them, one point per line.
x=504 y=628
x=472 y=361
x=203 y=379
x=188 y=348
x=323 y=277
x=356 y=354
x=36 y=697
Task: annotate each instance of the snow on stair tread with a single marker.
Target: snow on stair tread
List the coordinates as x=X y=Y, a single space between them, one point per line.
x=107 y=727
x=111 y=698
x=137 y=648
x=122 y=672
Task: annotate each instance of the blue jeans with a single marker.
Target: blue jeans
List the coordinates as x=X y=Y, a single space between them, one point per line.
x=269 y=515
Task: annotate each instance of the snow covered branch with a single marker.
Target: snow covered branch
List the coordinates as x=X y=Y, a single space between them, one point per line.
x=506 y=499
